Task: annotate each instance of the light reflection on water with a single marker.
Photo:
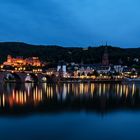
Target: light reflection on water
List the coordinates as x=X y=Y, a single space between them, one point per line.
x=69 y=111
x=68 y=97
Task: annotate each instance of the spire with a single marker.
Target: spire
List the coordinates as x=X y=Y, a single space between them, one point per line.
x=105 y=60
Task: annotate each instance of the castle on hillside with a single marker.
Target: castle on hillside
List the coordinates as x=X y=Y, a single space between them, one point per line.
x=20 y=61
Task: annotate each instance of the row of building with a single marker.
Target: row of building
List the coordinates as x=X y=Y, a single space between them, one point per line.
x=88 y=70
x=78 y=70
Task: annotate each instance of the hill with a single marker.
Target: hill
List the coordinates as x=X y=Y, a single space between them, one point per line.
x=54 y=54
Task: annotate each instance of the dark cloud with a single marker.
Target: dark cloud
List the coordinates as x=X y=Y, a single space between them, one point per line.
x=71 y=23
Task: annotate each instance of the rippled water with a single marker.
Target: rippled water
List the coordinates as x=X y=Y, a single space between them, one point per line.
x=69 y=111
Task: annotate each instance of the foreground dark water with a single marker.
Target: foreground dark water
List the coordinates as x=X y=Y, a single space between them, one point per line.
x=69 y=111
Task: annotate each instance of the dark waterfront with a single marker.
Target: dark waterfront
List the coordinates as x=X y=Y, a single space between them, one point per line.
x=69 y=111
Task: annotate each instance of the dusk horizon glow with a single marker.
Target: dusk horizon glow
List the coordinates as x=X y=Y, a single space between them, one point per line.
x=75 y=23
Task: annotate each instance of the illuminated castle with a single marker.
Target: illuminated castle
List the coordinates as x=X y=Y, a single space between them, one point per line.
x=20 y=61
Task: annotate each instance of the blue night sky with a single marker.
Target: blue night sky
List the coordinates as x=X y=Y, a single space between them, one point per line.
x=71 y=22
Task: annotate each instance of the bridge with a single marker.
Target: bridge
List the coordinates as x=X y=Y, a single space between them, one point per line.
x=26 y=76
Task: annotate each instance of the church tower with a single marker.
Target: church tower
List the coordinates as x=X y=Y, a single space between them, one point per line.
x=105 y=59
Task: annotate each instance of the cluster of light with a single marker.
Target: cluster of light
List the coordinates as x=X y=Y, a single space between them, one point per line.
x=49 y=73
x=20 y=69
x=37 y=70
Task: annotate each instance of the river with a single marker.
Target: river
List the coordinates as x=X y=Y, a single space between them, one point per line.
x=69 y=111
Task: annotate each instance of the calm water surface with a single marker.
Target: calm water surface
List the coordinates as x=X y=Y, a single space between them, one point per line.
x=69 y=111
